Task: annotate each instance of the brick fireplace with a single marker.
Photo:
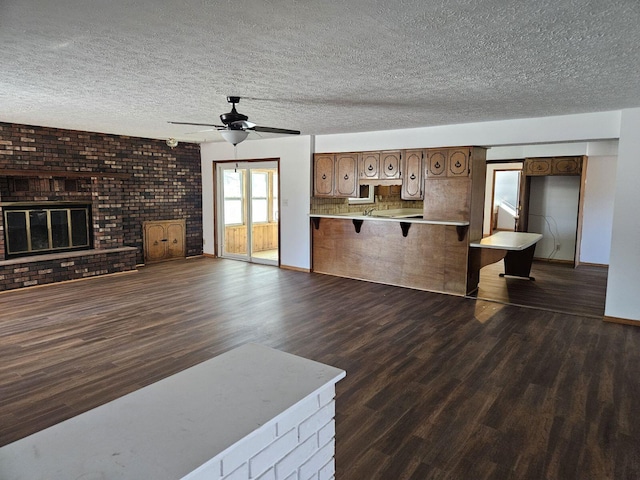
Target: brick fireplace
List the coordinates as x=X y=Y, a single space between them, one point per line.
x=124 y=181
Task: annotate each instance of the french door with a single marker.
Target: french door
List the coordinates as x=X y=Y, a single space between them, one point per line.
x=248 y=211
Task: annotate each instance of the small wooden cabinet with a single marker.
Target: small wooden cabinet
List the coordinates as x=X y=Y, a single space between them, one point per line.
x=369 y=165
x=448 y=162
x=553 y=166
x=412 y=175
x=164 y=240
x=390 y=165
x=335 y=175
x=380 y=166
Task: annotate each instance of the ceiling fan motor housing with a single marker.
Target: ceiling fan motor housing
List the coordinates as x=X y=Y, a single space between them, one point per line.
x=233 y=116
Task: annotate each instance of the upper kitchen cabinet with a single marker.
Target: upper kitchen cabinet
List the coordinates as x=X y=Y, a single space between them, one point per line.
x=323 y=174
x=390 y=165
x=380 y=168
x=553 y=166
x=412 y=175
x=458 y=163
x=335 y=175
x=369 y=165
x=448 y=162
x=346 y=183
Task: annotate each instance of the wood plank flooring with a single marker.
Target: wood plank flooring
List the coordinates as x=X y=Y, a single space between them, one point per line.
x=437 y=387
x=558 y=287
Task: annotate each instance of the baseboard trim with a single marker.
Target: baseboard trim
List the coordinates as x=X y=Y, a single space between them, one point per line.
x=621 y=321
x=295 y=269
x=209 y=255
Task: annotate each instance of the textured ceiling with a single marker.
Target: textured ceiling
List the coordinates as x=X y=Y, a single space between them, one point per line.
x=329 y=66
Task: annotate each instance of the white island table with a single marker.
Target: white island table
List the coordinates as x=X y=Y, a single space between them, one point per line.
x=516 y=248
x=252 y=412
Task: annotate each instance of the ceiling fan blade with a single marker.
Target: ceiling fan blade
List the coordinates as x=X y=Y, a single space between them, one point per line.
x=275 y=130
x=198 y=124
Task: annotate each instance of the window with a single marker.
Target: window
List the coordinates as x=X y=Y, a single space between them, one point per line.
x=35 y=230
x=233 y=205
x=260 y=197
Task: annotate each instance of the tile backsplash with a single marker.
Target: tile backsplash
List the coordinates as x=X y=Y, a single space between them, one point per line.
x=386 y=198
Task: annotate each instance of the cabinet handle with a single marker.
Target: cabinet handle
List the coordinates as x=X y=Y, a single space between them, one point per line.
x=175 y=240
x=437 y=165
x=346 y=177
x=324 y=176
x=458 y=164
x=156 y=242
x=370 y=167
x=390 y=167
x=413 y=176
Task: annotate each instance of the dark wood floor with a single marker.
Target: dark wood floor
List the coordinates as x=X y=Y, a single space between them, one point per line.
x=557 y=287
x=437 y=387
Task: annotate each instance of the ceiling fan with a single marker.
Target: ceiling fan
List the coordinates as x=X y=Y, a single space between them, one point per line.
x=237 y=126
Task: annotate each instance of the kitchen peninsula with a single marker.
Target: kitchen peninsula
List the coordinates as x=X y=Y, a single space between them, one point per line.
x=427 y=249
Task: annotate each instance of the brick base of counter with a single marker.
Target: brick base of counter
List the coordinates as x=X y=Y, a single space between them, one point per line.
x=298 y=445
x=59 y=267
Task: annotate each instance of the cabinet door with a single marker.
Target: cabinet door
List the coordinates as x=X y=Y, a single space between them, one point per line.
x=566 y=166
x=436 y=163
x=537 y=166
x=175 y=237
x=390 y=165
x=412 y=175
x=369 y=165
x=458 y=162
x=346 y=169
x=155 y=245
x=323 y=173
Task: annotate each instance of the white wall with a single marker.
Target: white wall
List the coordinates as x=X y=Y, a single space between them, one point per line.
x=597 y=220
x=295 y=191
x=623 y=284
x=553 y=212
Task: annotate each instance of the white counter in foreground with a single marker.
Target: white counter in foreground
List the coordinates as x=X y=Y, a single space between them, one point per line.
x=245 y=413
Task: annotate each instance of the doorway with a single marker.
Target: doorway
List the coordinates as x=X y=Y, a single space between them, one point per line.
x=505 y=204
x=248 y=211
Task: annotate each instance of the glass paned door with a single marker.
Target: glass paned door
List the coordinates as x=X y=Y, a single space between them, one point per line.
x=248 y=211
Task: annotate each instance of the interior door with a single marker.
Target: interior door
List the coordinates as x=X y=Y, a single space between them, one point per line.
x=248 y=211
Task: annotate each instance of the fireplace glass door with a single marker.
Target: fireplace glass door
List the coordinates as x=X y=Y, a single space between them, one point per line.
x=33 y=230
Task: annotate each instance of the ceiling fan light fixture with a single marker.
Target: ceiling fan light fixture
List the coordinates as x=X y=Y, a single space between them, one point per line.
x=234 y=137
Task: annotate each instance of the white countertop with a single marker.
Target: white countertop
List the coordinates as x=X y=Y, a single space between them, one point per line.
x=170 y=428
x=382 y=218
x=508 y=241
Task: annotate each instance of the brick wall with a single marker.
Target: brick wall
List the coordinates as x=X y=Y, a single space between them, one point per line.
x=149 y=181
x=299 y=445
x=40 y=270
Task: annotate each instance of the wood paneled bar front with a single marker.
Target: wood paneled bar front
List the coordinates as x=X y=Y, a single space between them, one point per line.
x=407 y=252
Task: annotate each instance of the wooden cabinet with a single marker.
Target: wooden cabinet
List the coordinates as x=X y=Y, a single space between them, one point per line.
x=412 y=175
x=458 y=162
x=380 y=166
x=164 y=240
x=437 y=163
x=323 y=173
x=448 y=162
x=335 y=175
x=369 y=165
x=537 y=166
x=553 y=166
x=346 y=182
x=390 y=165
